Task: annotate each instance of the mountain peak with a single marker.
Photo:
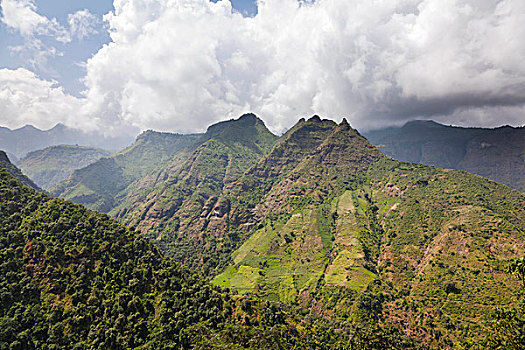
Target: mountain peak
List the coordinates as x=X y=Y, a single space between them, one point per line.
x=3 y=157
x=250 y=117
x=247 y=126
x=29 y=127
x=58 y=127
x=315 y=119
x=421 y=122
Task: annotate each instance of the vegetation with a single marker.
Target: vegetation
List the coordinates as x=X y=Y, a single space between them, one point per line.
x=321 y=222
x=72 y=278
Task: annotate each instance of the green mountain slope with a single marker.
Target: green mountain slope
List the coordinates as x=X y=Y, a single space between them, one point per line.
x=6 y=164
x=170 y=210
x=350 y=233
x=49 y=166
x=99 y=185
x=498 y=154
x=72 y=278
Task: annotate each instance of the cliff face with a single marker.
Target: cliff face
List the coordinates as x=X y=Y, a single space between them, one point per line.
x=498 y=154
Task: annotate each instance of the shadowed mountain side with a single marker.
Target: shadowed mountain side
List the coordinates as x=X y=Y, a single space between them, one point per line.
x=498 y=154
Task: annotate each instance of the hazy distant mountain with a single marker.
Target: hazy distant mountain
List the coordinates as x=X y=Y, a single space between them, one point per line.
x=498 y=154
x=49 y=166
x=6 y=164
x=21 y=141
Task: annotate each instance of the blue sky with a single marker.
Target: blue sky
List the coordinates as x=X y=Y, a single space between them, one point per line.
x=66 y=66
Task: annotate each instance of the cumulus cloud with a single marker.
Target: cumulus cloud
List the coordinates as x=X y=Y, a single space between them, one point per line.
x=182 y=64
x=21 y=15
x=26 y=99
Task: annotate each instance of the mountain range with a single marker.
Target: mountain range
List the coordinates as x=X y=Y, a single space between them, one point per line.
x=320 y=219
x=498 y=154
x=18 y=142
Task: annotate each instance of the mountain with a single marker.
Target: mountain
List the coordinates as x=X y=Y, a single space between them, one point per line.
x=170 y=209
x=6 y=164
x=99 y=185
x=498 y=154
x=21 y=141
x=72 y=278
x=51 y=165
x=347 y=232
x=322 y=220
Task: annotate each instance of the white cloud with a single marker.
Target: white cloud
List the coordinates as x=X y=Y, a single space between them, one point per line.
x=182 y=64
x=21 y=15
x=26 y=99
x=82 y=24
